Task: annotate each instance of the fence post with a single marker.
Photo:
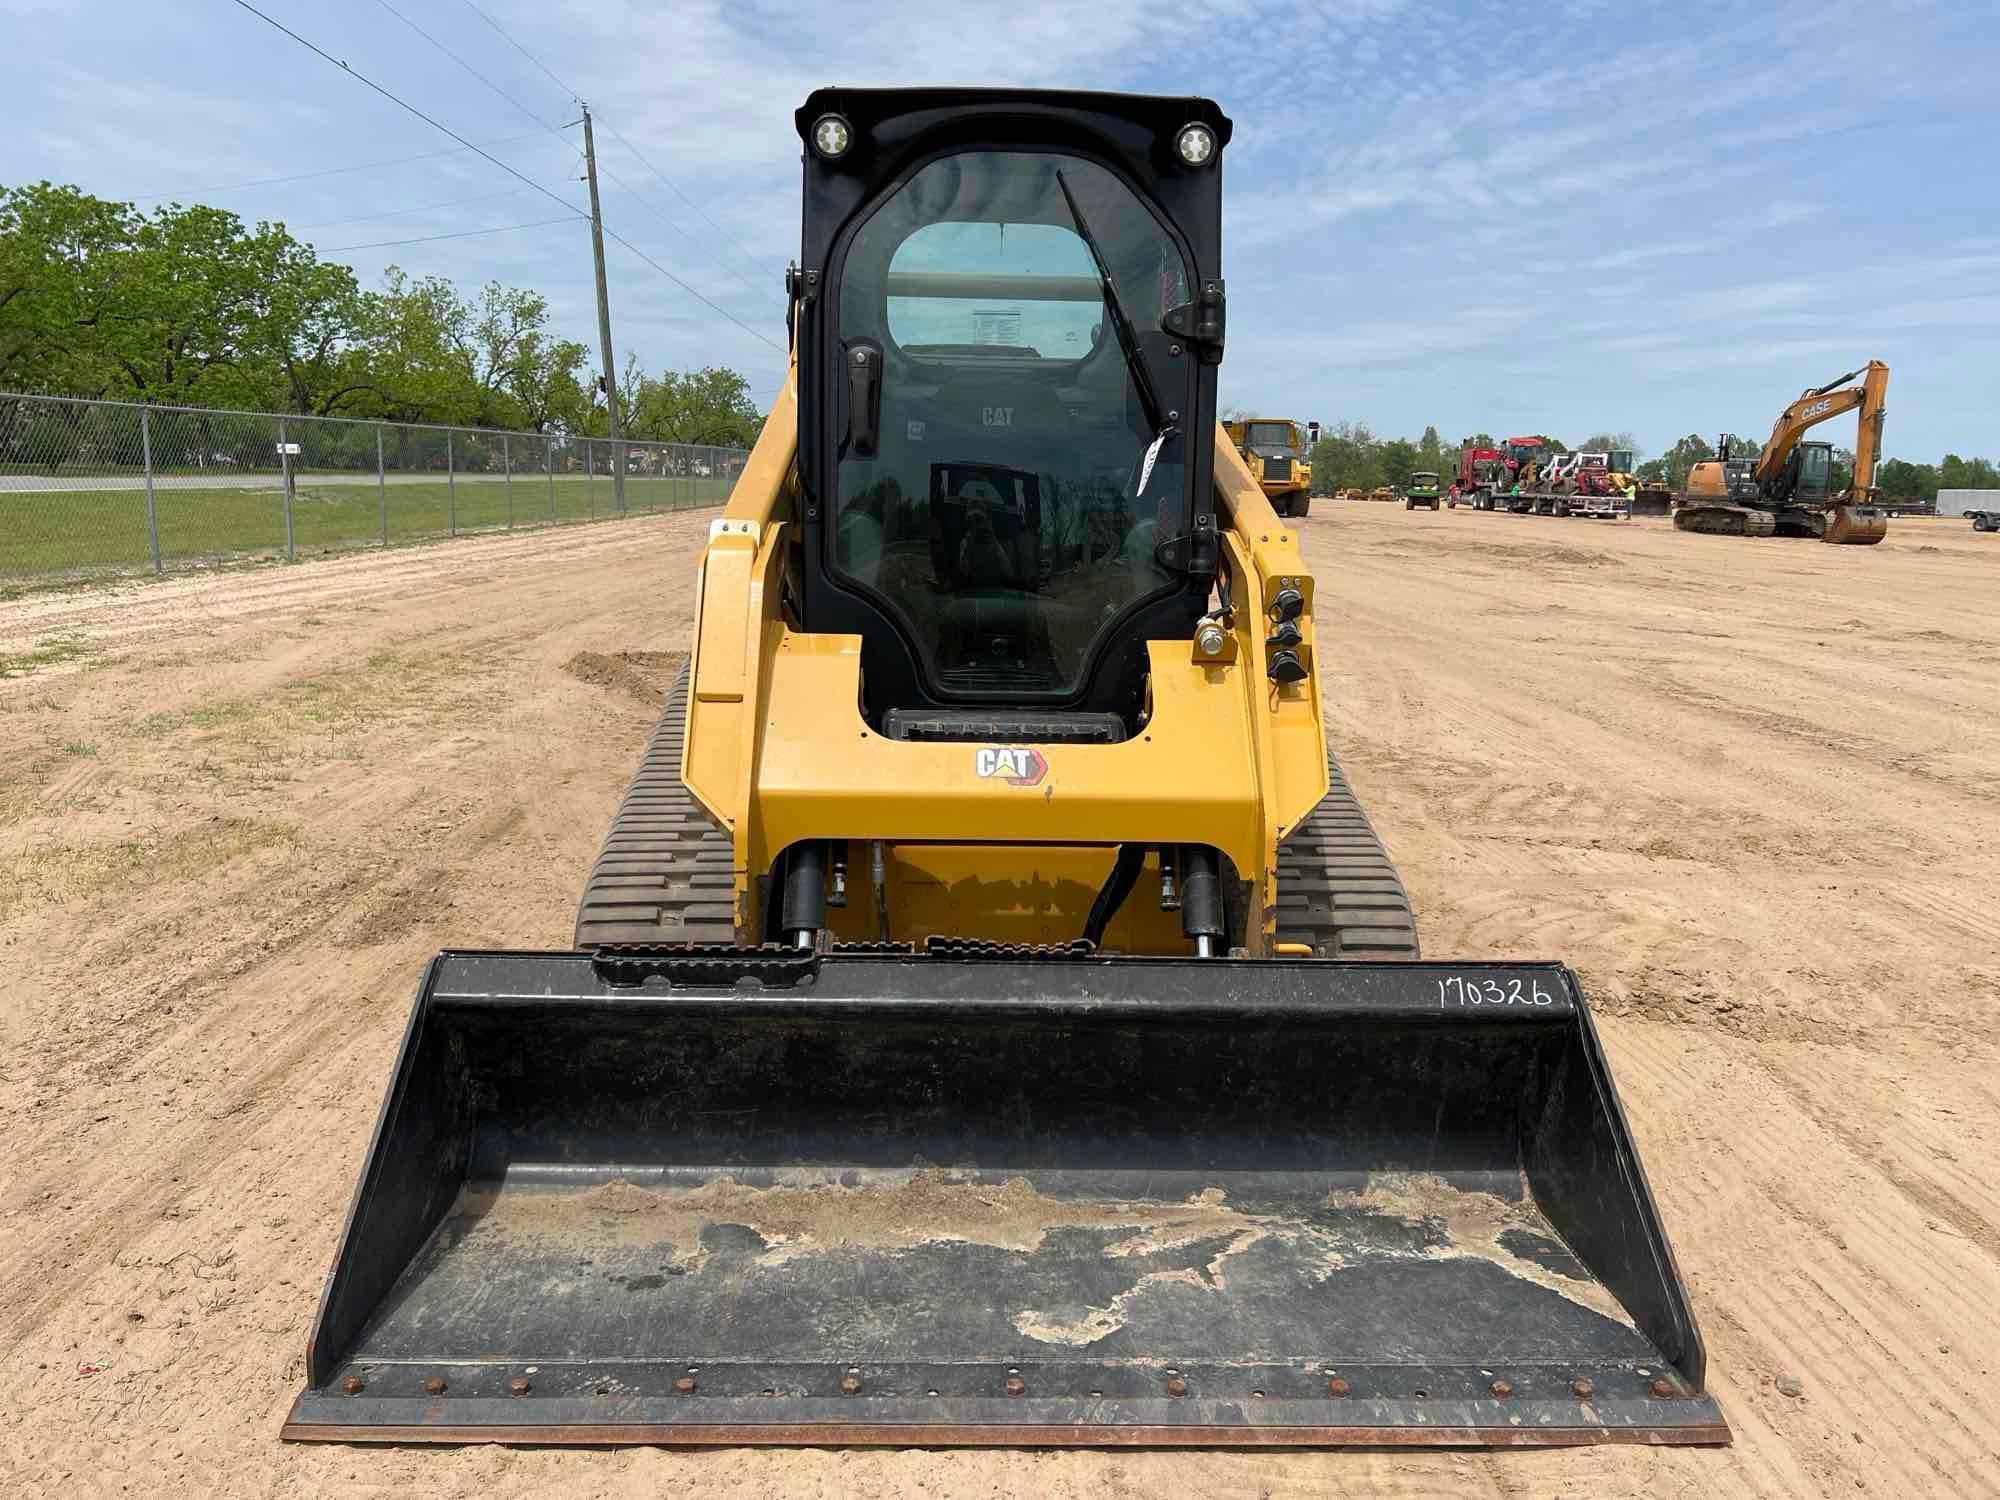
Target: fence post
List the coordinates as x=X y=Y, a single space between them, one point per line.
x=285 y=468
x=450 y=488
x=549 y=463
x=381 y=485
x=152 y=509
x=507 y=464
x=589 y=482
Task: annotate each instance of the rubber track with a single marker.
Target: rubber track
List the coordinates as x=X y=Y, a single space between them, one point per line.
x=1337 y=891
x=1725 y=520
x=666 y=871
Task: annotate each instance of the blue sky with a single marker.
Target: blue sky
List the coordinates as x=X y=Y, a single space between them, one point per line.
x=1559 y=217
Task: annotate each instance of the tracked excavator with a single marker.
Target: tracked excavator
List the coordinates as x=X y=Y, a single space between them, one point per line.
x=1789 y=490
x=993 y=1019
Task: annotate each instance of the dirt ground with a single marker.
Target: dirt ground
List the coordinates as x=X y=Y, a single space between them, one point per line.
x=1750 y=790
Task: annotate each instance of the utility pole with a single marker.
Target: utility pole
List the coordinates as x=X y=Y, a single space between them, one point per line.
x=604 y=322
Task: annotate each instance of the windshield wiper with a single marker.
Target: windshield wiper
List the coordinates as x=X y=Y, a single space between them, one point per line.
x=1128 y=339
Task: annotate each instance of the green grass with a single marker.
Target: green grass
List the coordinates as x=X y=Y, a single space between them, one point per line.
x=207 y=716
x=79 y=532
x=66 y=872
x=259 y=731
x=50 y=652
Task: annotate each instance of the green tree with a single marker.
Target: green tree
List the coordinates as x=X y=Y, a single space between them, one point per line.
x=1956 y=473
x=709 y=405
x=1398 y=458
x=414 y=333
x=180 y=327
x=1431 y=454
x=189 y=305
x=1899 y=479
x=184 y=305
x=303 y=337
x=1347 y=456
x=61 y=273
x=1683 y=456
x=1604 y=442
x=509 y=355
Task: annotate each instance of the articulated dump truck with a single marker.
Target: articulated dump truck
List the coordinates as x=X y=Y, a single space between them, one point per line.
x=993 y=1019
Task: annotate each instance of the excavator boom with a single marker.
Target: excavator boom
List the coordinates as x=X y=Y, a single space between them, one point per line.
x=1821 y=404
x=1792 y=495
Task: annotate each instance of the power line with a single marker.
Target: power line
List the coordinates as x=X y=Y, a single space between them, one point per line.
x=723 y=311
x=462 y=234
x=411 y=108
x=747 y=258
x=366 y=166
x=528 y=181
x=401 y=213
x=572 y=93
x=647 y=204
x=465 y=65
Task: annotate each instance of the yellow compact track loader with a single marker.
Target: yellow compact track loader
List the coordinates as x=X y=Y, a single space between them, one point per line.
x=993 y=1020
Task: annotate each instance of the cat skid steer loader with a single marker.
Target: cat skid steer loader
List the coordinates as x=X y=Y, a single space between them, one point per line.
x=993 y=1020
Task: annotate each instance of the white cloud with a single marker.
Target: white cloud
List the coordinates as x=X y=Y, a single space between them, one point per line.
x=1638 y=254
x=1634 y=176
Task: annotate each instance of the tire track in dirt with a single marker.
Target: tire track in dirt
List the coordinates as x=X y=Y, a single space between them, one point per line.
x=1798 y=1005
x=1859 y=1313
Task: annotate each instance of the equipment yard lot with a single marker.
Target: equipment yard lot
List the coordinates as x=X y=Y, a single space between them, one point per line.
x=1746 y=789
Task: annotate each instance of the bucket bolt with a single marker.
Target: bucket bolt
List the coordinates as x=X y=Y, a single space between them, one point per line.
x=353 y=1385
x=1501 y=1388
x=1582 y=1389
x=520 y=1385
x=850 y=1384
x=1663 y=1388
x=435 y=1386
x=684 y=1386
x=1176 y=1386
x=1337 y=1387
x=1016 y=1385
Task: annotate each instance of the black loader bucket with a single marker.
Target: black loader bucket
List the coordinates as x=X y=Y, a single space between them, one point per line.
x=884 y=1198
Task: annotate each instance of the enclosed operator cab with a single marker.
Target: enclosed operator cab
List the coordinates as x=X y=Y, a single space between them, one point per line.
x=1807 y=478
x=1003 y=449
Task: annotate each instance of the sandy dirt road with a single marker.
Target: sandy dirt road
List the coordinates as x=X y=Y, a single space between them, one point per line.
x=1749 y=790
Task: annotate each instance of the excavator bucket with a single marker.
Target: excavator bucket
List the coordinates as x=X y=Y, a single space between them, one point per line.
x=1855 y=525
x=982 y=1197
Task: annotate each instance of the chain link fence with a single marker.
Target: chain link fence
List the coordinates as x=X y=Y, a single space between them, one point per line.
x=90 y=488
